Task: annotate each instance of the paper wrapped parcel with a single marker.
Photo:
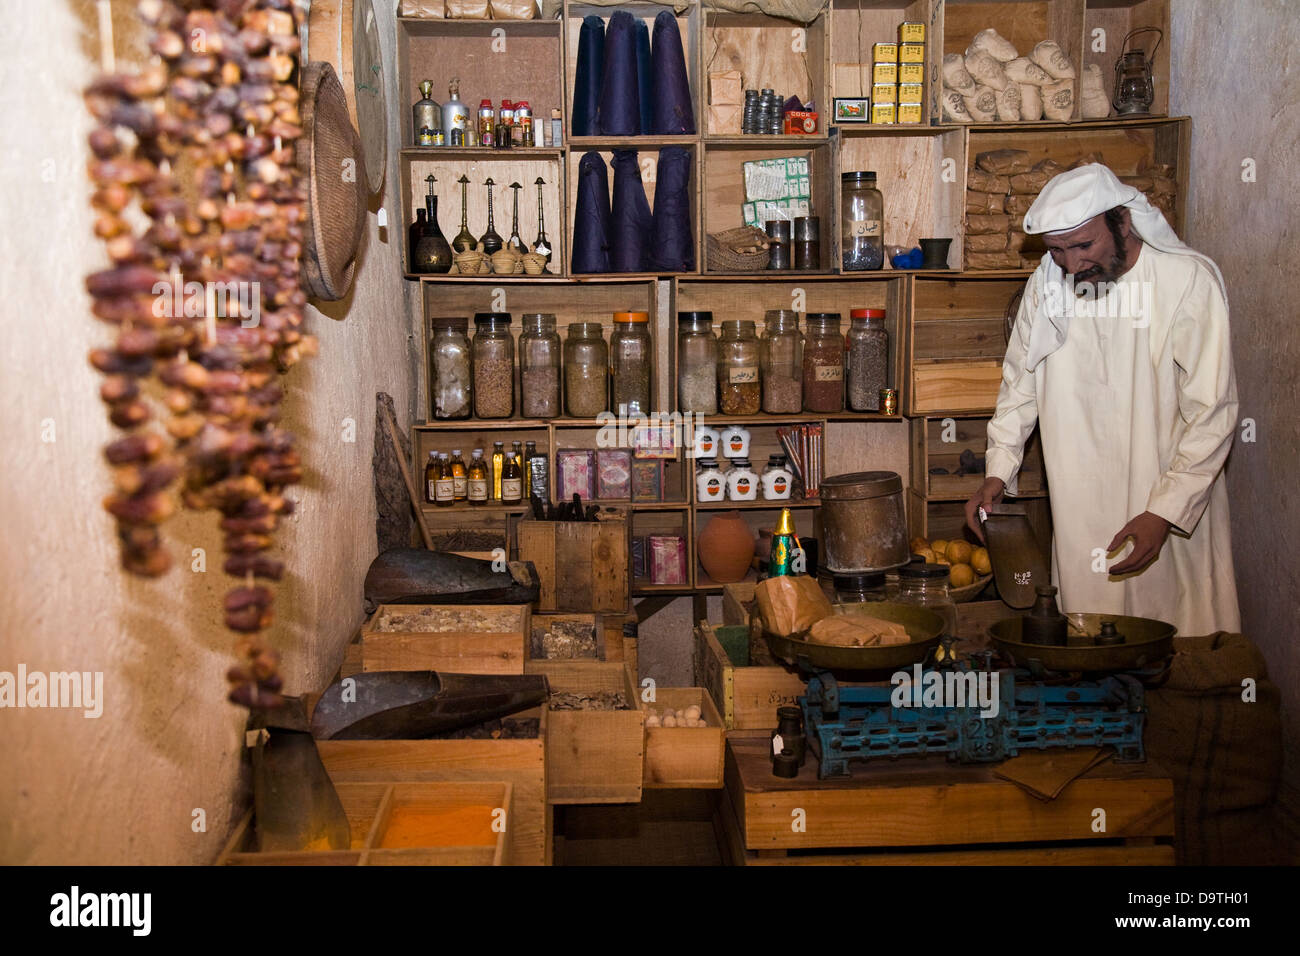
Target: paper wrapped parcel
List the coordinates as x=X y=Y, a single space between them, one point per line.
x=791 y=603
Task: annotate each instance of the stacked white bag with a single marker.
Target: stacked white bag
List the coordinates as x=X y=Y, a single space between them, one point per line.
x=992 y=82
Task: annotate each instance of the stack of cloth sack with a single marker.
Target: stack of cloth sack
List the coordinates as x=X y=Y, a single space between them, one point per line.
x=1003 y=184
x=624 y=86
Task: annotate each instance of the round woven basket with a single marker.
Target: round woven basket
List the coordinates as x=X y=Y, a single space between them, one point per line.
x=743 y=249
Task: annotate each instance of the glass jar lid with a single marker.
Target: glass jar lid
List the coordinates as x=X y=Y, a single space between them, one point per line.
x=776 y=461
x=858 y=582
x=866 y=177
x=492 y=318
x=739 y=463
x=924 y=572
x=708 y=462
x=867 y=314
x=631 y=317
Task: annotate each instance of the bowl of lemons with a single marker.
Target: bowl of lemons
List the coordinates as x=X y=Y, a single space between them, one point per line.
x=969 y=569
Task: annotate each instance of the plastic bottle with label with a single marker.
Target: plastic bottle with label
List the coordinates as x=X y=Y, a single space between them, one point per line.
x=710 y=483
x=777 y=479
x=742 y=483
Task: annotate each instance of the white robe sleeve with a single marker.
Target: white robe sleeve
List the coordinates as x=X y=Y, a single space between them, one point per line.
x=1017 y=410
x=1207 y=404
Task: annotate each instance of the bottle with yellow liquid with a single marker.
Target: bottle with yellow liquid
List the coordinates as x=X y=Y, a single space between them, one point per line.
x=512 y=481
x=478 y=485
x=459 y=476
x=498 y=463
x=432 y=472
x=445 y=486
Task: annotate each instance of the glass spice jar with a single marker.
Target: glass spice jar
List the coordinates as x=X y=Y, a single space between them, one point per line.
x=862 y=216
x=823 y=363
x=539 y=366
x=494 y=365
x=860 y=588
x=926 y=585
x=868 y=359
x=782 y=363
x=586 y=370
x=630 y=357
x=697 y=363
x=449 y=362
x=738 y=362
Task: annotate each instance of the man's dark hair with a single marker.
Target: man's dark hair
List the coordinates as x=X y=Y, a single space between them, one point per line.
x=1115 y=219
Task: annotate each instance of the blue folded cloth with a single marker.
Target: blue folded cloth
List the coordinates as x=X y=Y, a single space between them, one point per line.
x=587 y=76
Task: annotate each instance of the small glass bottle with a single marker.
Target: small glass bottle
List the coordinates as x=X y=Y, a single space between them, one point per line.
x=505 y=125
x=630 y=358
x=777 y=479
x=867 y=359
x=449 y=362
x=494 y=365
x=459 y=476
x=697 y=363
x=432 y=472
x=862 y=216
x=782 y=363
x=742 y=483
x=926 y=585
x=498 y=466
x=738 y=361
x=487 y=121
x=539 y=367
x=478 y=488
x=445 y=487
x=512 y=480
x=586 y=370
x=710 y=483
x=823 y=363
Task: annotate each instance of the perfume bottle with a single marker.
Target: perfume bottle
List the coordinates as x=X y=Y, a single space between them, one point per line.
x=492 y=242
x=464 y=241
x=431 y=254
x=514 y=242
x=426 y=114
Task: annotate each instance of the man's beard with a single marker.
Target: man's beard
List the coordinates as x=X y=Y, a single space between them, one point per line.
x=1088 y=284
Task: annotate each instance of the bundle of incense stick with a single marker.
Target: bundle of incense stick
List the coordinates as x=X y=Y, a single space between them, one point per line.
x=803 y=446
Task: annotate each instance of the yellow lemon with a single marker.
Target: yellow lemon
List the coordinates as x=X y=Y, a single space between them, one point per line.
x=979 y=561
x=958 y=552
x=939 y=546
x=961 y=575
x=917 y=543
x=927 y=554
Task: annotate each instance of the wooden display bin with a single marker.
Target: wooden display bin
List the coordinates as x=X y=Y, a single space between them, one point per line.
x=386 y=821
x=466 y=639
x=939 y=442
x=674 y=472
x=672 y=523
x=1117 y=18
x=582 y=565
x=518 y=761
x=593 y=756
x=878 y=22
x=684 y=758
x=746 y=695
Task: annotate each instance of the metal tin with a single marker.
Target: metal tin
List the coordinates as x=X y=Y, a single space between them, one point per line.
x=863 y=522
x=911 y=53
x=889 y=401
x=884 y=93
x=884 y=73
x=909 y=112
x=884 y=53
x=883 y=113
x=911 y=31
x=911 y=73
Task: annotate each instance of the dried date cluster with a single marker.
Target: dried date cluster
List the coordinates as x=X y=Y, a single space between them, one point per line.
x=198 y=149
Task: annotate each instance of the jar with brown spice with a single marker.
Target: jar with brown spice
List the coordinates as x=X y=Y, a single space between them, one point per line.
x=697 y=363
x=782 y=363
x=823 y=363
x=867 y=359
x=630 y=357
x=738 y=364
x=449 y=365
x=494 y=365
x=586 y=370
x=539 y=366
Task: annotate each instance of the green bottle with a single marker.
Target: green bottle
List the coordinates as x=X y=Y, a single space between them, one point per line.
x=784 y=544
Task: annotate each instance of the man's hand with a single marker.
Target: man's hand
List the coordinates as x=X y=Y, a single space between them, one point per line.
x=989 y=494
x=1148 y=531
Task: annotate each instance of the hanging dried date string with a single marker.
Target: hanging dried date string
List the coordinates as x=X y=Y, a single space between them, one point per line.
x=238 y=241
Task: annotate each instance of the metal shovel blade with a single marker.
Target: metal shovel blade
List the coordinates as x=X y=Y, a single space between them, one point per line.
x=1019 y=564
x=412 y=705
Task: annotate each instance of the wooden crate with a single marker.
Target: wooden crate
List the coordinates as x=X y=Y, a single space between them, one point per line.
x=684 y=758
x=737 y=601
x=1116 y=19
x=582 y=565
x=467 y=639
x=939 y=442
x=855 y=27
x=371 y=809
x=593 y=756
x=746 y=696
x=521 y=762
x=542 y=623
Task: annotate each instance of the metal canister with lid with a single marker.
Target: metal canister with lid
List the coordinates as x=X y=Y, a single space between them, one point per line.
x=863 y=522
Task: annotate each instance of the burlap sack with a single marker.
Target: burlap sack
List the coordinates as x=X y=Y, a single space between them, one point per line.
x=1005 y=161
x=1009 y=104
x=984 y=182
x=1093 y=101
x=513 y=9
x=992 y=260
x=1058 y=101
x=424 y=9
x=983 y=105
x=1031 y=102
x=1024 y=70
x=468 y=10
x=994 y=44
x=954 y=107
x=955 y=75
x=986 y=71
x=988 y=225
x=991 y=243
x=1017 y=206
x=982 y=204
x=1053 y=60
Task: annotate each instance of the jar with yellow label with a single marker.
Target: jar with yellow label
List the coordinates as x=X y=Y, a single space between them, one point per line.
x=738 y=361
x=862 y=215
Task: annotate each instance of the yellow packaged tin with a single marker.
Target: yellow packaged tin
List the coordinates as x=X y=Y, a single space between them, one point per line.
x=883 y=112
x=911 y=53
x=911 y=31
x=884 y=73
x=909 y=112
x=884 y=93
x=884 y=53
x=909 y=93
x=911 y=73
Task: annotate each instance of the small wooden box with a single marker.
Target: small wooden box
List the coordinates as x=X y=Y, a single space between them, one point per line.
x=379 y=812
x=940 y=385
x=684 y=758
x=544 y=623
x=593 y=756
x=581 y=565
x=746 y=696
x=465 y=639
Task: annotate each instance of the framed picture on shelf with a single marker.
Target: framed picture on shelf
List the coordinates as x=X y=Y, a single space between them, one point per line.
x=852 y=109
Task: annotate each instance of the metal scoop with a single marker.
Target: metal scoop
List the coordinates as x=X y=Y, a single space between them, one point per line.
x=1019 y=565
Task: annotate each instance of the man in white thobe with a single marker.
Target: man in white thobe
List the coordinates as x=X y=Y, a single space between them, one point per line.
x=1120 y=353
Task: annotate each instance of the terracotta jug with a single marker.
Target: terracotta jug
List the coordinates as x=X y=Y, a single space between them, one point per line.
x=726 y=548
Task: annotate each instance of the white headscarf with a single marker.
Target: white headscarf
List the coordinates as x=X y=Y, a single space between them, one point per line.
x=1066 y=203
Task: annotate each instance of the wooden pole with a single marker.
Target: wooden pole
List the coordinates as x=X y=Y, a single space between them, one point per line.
x=406 y=477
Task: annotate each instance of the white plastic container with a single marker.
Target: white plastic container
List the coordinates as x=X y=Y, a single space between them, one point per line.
x=735 y=442
x=706 y=442
x=710 y=482
x=742 y=482
x=777 y=479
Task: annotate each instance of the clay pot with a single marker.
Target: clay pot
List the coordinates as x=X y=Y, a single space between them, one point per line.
x=726 y=548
